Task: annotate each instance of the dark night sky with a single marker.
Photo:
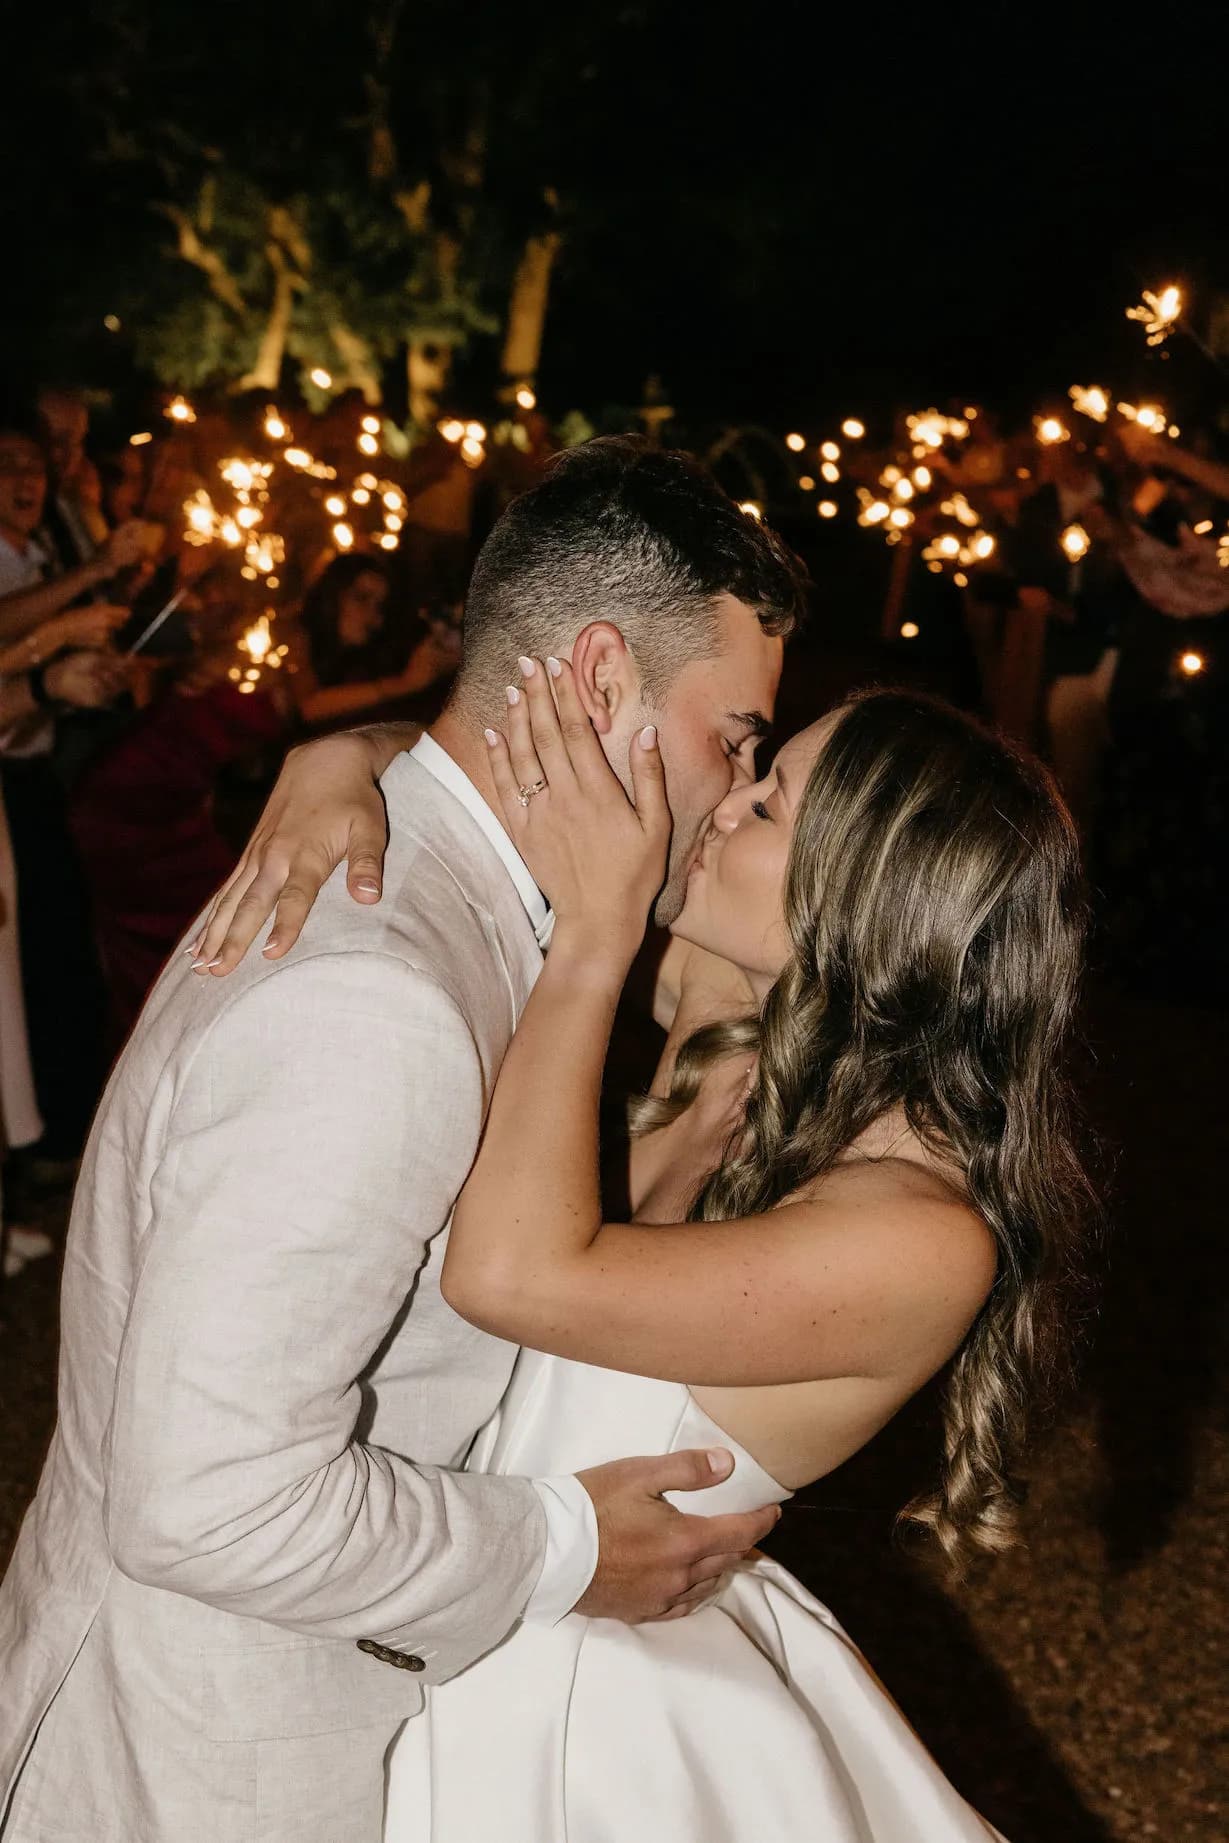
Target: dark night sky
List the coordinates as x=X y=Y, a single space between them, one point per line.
x=804 y=209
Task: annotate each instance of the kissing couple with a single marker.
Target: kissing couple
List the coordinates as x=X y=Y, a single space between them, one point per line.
x=396 y=1493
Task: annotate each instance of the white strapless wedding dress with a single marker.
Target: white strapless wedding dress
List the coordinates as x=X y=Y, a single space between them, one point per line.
x=755 y=1720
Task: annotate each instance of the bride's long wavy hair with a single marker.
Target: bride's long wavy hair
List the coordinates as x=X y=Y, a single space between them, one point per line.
x=934 y=909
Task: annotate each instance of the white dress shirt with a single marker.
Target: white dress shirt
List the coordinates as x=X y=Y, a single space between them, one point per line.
x=571 y=1521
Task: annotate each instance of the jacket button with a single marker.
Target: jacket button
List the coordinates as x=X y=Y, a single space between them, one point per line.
x=370 y=1646
x=405 y=1660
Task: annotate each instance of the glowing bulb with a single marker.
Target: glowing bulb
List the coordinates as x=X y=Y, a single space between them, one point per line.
x=830 y=452
x=901 y=518
x=1051 y=431
x=368 y=444
x=1202 y=529
x=367 y=480
x=393 y=500
x=827 y=508
x=909 y=630
x=387 y=540
x=229 y=532
x=806 y=483
x=275 y=428
x=795 y=443
x=852 y=429
x=247 y=516
x=476 y=431
x=452 y=431
x=139 y=440
x=257 y=641
x=322 y=379
x=875 y=512
x=922 y=478
x=903 y=489
x=297 y=457
x=830 y=472
x=983 y=546
x=180 y=410
x=335 y=505
x=1191 y=664
x=1075 y=542
x=471 y=451
x=370 y=425
x=393 y=521
x=526 y=399
x=361 y=496
x=343 y=536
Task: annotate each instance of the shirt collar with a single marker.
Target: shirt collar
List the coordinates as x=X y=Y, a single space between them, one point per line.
x=440 y=765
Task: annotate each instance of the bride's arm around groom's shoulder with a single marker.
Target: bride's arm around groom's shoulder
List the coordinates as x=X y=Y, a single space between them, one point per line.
x=317 y=1139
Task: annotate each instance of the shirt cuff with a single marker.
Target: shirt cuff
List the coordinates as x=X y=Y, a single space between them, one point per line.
x=571 y=1549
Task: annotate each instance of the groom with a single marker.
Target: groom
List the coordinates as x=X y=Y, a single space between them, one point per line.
x=251 y=1544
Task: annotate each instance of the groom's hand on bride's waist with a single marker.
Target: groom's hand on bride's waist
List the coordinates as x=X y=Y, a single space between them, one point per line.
x=655 y=1561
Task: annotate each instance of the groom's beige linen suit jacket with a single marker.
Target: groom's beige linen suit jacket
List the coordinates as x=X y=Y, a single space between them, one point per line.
x=260 y=1382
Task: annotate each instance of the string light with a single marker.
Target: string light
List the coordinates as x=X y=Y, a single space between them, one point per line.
x=827 y=508
x=852 y=429
x=830 y=472
x=806 y=482
x=1050 y=431
x=297 y=457
x=909 y=630
x=322 y=379
x=795 y=443
x=140 y=438
x=1158 y=314
x=361 y=496
x=451 y=430
x=922 y=478
x=335 y=505
x=900 y=518
x=526 y=398
x=830 y=452
x=275 y=428
x=343 y=536
x=368 y=444
x=370 y=425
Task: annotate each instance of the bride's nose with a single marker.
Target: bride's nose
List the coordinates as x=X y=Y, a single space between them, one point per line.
x=733 y=808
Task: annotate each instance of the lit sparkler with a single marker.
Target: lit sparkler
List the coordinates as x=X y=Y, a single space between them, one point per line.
x=1158 y=314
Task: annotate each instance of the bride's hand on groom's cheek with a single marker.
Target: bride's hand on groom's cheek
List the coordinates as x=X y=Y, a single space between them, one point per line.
x=654 y=1562
x=598 y=855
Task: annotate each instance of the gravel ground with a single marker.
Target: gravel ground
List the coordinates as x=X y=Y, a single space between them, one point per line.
x=1076 y=1691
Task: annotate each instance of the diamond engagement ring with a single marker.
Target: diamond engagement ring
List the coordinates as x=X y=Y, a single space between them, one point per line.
x=525 y=794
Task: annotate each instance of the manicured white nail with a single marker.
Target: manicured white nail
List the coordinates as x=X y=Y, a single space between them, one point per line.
x=270 y=944
x=514 y=696
x=554 y=668
x=648 y=736
x=528 y=668
x=718 y=1461
x=197 y=965
x=491 y=738
x=365 y=883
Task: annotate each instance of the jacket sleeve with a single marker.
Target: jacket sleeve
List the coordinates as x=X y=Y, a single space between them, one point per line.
x=317 y=1141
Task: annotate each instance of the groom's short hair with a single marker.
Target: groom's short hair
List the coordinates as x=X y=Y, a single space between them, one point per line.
x=620 y=531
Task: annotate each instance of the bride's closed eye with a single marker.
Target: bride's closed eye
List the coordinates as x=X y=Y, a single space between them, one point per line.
x=760 y=810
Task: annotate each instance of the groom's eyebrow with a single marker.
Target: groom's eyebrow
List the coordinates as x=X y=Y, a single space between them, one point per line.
x=753 y=721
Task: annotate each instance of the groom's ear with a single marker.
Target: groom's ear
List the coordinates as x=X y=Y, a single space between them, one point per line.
x=604 y=674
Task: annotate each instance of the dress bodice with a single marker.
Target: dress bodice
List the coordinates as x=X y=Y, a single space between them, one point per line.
x=558 y=1416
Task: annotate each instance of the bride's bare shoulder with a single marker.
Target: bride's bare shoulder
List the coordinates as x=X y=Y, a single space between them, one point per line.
x=917 y=1209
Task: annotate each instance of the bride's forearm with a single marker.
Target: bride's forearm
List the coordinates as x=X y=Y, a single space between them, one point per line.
x=533 y=1199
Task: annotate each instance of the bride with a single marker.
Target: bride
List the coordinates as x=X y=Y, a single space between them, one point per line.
x=853 y=1171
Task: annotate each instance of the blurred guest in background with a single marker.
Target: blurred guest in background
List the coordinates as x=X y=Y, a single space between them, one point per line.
x=358 y=656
